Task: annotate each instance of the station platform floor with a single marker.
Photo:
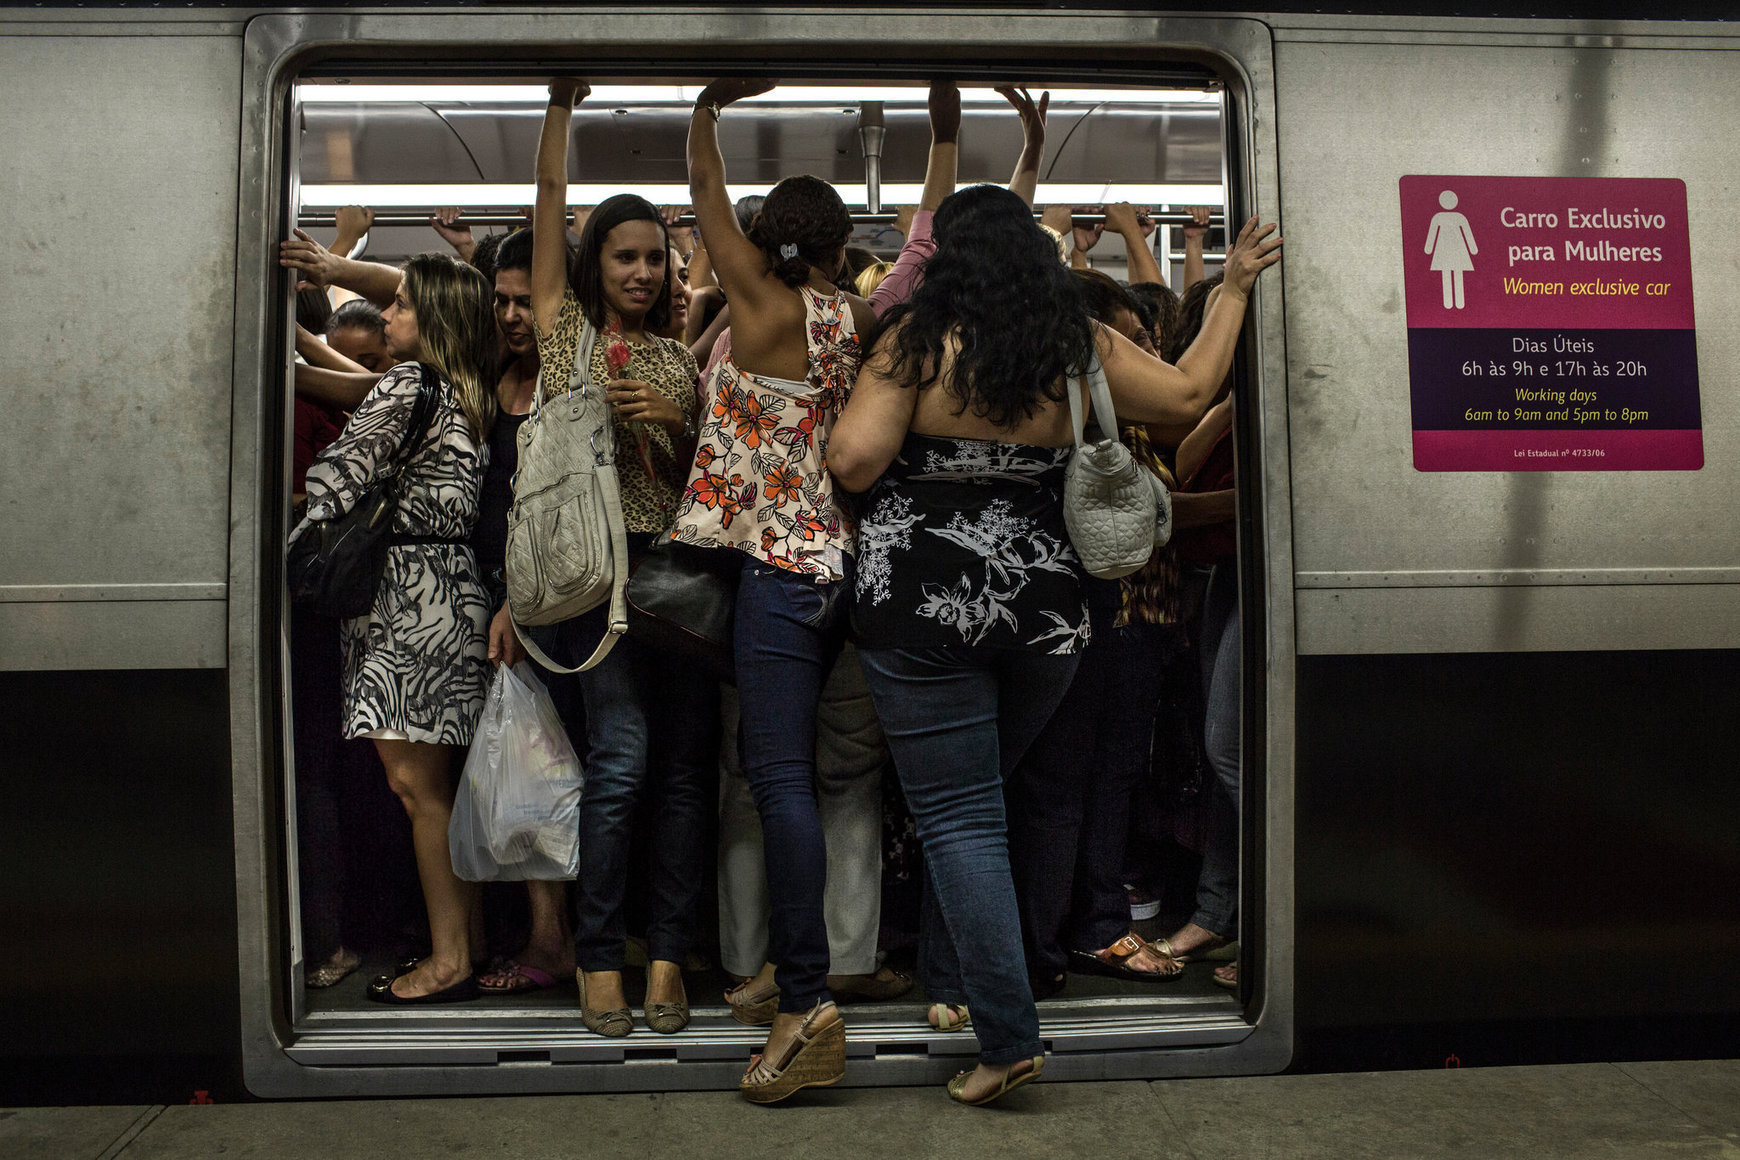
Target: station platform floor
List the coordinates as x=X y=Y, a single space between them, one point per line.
x=1686 y=1110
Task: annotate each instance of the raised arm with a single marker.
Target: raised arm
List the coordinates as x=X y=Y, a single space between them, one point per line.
x=939 y=182
x=1194 y=235
x=737 y=262
x=321 y=267
x=445 y=221
x=1025 y=181
x=316 y=353
x=550 y=217
x=1147 y=390
x=1135 y=228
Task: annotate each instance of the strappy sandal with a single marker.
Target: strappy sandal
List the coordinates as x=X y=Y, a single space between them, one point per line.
x=756 y=1008
x=1216 y=950
x=815 y=1057
x=1011 y=1081
x=948 y=1016
x=612 y=1024
x=1115 y=961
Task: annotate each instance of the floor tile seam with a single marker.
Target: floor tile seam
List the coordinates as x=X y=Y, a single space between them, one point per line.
x=133 y=1132
x=1667 y=1099
x=1176 y=1133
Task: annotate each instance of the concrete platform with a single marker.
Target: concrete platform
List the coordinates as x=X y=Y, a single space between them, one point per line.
x=1684 y=1110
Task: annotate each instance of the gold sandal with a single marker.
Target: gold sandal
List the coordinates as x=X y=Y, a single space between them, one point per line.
x=948 y=1016
x=755 y=1008
x=813 y=1058
x=1011 y=1081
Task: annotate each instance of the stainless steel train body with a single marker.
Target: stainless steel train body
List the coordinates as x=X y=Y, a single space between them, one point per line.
x=1487 y=713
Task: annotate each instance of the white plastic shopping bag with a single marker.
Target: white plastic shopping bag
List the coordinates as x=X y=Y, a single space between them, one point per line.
x=517 y=814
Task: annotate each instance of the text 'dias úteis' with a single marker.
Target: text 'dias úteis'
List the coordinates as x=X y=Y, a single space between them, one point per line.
x=1550 y=324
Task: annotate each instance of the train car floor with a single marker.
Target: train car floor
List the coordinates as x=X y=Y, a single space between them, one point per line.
x=1682 y=1110
x=706 y=990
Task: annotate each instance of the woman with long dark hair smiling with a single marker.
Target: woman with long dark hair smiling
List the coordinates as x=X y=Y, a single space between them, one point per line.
x=969 y=607
x=650 y=718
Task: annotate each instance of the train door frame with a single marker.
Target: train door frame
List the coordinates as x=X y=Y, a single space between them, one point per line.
x=282 y=1055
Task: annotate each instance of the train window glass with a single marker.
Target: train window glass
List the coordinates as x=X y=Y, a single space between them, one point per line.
x=446 y=166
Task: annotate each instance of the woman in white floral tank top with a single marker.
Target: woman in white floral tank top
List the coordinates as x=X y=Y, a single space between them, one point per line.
x=760 y=486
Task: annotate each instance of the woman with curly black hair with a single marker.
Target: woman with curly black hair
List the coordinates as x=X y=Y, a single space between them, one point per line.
x=969 y=608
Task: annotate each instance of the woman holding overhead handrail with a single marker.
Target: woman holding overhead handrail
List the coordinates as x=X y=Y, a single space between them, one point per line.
x=760 y=486
x=969 y=611
x=650 y=719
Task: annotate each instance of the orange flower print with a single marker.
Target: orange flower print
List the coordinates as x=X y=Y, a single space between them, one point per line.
x=753 y=421
x=768 y=538
x=715 y=491
x=704 y=456
x=783 y=483
x=808 y=525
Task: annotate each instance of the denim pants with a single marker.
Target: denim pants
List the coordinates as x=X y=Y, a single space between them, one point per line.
x=1217 y=890
x=958 y=719
x=652 y=727
x=1069 y=798
x=789 y=632
x=850 y=757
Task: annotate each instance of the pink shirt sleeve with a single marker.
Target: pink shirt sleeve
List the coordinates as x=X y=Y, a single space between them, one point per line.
x=908 y=269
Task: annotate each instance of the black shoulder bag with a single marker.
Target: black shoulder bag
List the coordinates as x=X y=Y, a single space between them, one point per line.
x=335 y=567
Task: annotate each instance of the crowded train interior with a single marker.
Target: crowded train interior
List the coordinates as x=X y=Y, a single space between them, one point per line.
x=1134 y=182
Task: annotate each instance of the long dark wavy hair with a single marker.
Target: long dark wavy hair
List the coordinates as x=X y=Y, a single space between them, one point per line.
x=585 y=271
x=995 y=285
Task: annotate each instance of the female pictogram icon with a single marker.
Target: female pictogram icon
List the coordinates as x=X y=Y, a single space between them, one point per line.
x=1450 y=241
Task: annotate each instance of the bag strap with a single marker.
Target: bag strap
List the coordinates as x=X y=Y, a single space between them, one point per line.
x=421 y=412
x=1101 y=395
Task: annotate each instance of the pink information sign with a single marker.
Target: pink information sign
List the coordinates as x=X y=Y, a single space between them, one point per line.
x=1550 y=324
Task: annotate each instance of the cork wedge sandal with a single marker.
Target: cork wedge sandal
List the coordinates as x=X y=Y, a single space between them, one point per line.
x=815 y=1057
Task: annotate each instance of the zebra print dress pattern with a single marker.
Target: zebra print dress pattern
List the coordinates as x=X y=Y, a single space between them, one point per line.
x=418 y=662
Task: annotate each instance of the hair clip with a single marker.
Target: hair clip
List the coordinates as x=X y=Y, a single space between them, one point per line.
x=788 y=251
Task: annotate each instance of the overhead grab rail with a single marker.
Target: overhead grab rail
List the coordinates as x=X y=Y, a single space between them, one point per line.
x=499 y=216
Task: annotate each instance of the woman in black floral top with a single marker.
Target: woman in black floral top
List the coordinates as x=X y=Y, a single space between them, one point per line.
x=969 y=609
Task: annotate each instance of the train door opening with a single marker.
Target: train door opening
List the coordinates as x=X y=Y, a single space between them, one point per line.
x=425 y=159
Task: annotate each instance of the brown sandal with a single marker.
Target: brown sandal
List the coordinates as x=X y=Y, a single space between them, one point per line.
x=1115 y=961
x=813 y=1058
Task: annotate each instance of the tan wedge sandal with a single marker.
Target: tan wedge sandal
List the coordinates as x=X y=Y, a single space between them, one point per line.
x=815 y=1057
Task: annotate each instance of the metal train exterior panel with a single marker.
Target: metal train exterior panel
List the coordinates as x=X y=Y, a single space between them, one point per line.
x=1489 y=708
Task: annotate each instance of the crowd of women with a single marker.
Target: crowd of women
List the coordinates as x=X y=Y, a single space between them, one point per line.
x=885 y=466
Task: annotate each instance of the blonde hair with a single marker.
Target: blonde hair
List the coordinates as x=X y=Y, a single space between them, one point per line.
x=870 y=277
x=1063 y=244
x=456 y=321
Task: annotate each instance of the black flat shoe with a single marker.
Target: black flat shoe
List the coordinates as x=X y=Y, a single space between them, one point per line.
x=381 y=991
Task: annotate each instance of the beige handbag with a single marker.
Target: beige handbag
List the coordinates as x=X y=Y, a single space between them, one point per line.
x=567 y=546
x=1116 y=510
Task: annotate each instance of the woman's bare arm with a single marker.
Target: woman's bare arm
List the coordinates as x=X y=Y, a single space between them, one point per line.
x=550 y=216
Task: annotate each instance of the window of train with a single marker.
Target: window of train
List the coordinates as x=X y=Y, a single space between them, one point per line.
x=413 y=153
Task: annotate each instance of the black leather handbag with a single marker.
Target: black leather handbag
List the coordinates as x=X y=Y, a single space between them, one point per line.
x=335 y=566
x=682 y=599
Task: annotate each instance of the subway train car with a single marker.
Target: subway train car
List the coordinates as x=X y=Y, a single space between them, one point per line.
x=1490 y=593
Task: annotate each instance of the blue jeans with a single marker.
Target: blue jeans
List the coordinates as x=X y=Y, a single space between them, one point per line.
x=789 y=631
x=1217 y=890
x=957 y=720
x=652 y=731
x=1069 y=799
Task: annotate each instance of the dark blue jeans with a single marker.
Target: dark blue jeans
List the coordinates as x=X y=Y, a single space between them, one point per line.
x=1069 y=799
x=1217 y=889
x=958 y=719
x=789 y=631
x=652 y=724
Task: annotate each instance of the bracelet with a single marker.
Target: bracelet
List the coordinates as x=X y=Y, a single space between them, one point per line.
x=712 y=107
x=690 y=430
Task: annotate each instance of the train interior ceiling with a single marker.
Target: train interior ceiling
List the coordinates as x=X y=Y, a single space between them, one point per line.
x=404 y=147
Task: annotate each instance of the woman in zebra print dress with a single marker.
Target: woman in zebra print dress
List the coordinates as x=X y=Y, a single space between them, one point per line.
x=415 y=672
